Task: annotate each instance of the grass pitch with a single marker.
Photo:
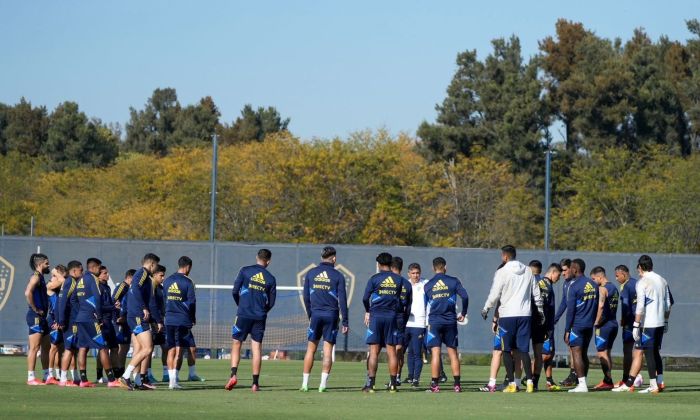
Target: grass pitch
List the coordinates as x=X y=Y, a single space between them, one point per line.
x=279 y=397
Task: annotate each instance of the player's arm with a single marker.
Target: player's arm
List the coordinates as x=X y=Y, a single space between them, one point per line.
x=562 y=305
x=307 y=296
x=343 y=302
x=570 y=308
x=494 y=294
x=62 y=302
x=192 y=302
x=136 y=286
x=408 y=302
x=602 y=295
x=29 y=293
x=95 y=292
x=365 y=300
x=108 y=303
x=271 y=294
x=156 y=316
x=237 y=287
x=462 y=292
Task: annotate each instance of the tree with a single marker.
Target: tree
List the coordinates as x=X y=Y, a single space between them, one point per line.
x=195 y=124
x=74 y=140
x=151 y=129
x=253 y=125
x=25 y=128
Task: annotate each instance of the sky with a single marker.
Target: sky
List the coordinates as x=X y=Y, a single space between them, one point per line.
x=332 y=67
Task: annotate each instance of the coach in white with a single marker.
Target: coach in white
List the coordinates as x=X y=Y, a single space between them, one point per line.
x=415 y=327
x=650 y=324
x=514 y=286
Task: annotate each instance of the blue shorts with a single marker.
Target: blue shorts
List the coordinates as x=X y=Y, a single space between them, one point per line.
x=56 y=337
x=137 y=325
x=178 y=336
x=627 y=336
x=70 y=337
x=605 y=337
x=158 y=337
x=516 y=333
x=651 y=338
x=382 y=331
x=123 y=333
x=548 y=346
x=498 y=339
x=323 y=326
x=244 y=326
x=90 y=335
x=438 y=334
x=109 y=335
x=580 y=337
x=36 y=324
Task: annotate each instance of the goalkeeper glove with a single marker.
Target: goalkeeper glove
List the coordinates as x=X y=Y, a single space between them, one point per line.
x=636 y=332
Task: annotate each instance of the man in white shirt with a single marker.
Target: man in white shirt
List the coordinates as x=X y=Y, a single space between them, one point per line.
x=650 y=324
x=415 y=327
x=514 y=286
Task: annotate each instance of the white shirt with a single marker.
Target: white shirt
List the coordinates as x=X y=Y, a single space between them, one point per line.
x=653 y=300
x=513 y=285
x=418 y=315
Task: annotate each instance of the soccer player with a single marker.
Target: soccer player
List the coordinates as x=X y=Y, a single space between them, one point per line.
x=108 y=332
x=415 y=326
x=565 y=264
x=157 y=308
x=53 y=287
x=650 y=323
x=381 y=301
x=581 y=311
x=628 y=304
x=543 y=335
x=324 y=299
x=65 y=319
x=254 y=291
x=138 y=316
x=405 y=300
x=515 y=287
x=38 y=305
x=441 y=300
x=89 y=322
x=605 y=325
x=180 y=315
x=536 y=268
x=120 y=325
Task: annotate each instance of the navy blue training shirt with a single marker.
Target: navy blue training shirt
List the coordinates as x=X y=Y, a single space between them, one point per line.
x=180 y=301
x=441 y=298
x=87 y=292
x=324 y=292
x=382 y=294
x=140 y=292
x=254 y=291
x=581 y=303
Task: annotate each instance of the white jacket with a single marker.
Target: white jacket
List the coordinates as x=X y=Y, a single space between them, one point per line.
x=653 y=300
x=514 y=286
x=418 y=309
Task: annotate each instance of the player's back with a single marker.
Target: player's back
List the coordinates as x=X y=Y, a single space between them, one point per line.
x=441 y=297
x=584 y=294
x=253 y=289
x=628 y=301
x=88 y=298
x=67 y=304
x=383 y=292
x=610 y=306
x=107 y=301
x=405 y=300
x=179 y=300
x=652 y=293
x=323 y=288
x=516 y=295
x=139 y=295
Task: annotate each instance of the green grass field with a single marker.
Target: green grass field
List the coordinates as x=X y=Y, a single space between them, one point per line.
x=280 y=398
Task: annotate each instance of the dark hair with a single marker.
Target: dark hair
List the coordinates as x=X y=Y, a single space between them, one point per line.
x=184 y=261
x=265 y=254
x=384 y=258
x=93 y=260
x=623 y=268
x=555 y=266
x=439 y=263
x=645 y=263
x=598 y=270
x=129 y=273
x=102 y=268
x=61 y=269
x=151 y=257
x=159 y=269
x=580 y=263
x=565 y=262
x=509 y=250
x=37 y=259
x=397 y=263
x=414 y=266
x=74 y=264
x=536 y=264
x=328 y=252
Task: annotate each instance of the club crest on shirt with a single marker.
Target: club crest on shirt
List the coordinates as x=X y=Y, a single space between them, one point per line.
x=7 y=275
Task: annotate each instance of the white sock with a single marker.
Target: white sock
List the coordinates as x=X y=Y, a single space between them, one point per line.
x=127 y=372
x=324 y=379
x=64 y=376
x=492 y=381
x=660 y=378
x=529 y=381
x=652 y=383
x=517 y=382
x=193 y=370
x=305 y=379
x=582 y=381
x=30 y=375
x=57 y=373
x=172 y=374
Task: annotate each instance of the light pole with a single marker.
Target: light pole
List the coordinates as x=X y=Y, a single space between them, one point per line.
x=212 y=216
x=547 y=194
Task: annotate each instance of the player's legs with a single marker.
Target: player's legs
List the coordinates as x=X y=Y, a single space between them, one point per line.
x=454 y=363
x=577 y=358
x=496 y=356
x=435 y=364
x=372 y=358
x=34 y=344
x=256 y=349
x=392 y=360
x=311 y=347
x=235 y=353
x=399 y=359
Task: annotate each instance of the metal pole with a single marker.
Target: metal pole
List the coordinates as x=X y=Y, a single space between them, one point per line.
x=212 y=217
x=547 y=197
x=31 y=227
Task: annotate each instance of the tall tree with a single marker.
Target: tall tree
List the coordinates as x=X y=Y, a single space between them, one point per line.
x=150 y=130
x=25 y=129
x=253 y=125
x=196 y=124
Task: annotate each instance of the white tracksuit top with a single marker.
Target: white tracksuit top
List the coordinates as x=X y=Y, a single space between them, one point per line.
x=513 y=286
x=653 y=300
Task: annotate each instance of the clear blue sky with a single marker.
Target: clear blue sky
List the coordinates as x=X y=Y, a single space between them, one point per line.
x=332 y=67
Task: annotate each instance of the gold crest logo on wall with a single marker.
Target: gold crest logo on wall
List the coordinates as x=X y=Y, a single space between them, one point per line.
x=7 y=274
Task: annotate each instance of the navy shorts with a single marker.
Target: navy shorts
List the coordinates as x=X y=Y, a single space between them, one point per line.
x=56 y=337
x=244 y=326
x=36 y=324
x=90 y=335
x=158 y=337
x=516 y=333
x=123 y=333
x=627 y=336
x=382 y=331
x=539 y=333
x=548 y=346
x=109 y=335
x=605 y=337
x=137 y=325
x=70 y=337
x=178 y=336
x=323 y=326
x=651 y=338
x=580 y=337
x=438 y=334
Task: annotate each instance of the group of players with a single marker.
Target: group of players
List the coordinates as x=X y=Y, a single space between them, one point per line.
x=76 y=312
x=400 y=314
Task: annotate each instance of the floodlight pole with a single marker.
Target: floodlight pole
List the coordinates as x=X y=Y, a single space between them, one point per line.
x=547 y=195
x=212 y=217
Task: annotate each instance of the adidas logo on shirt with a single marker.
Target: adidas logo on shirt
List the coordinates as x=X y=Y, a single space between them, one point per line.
x=323 y=276
x=440 y=285
x=388 y=282
x=174 y=289
x=588 y=288
x=258 y=278
x=80 y=284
